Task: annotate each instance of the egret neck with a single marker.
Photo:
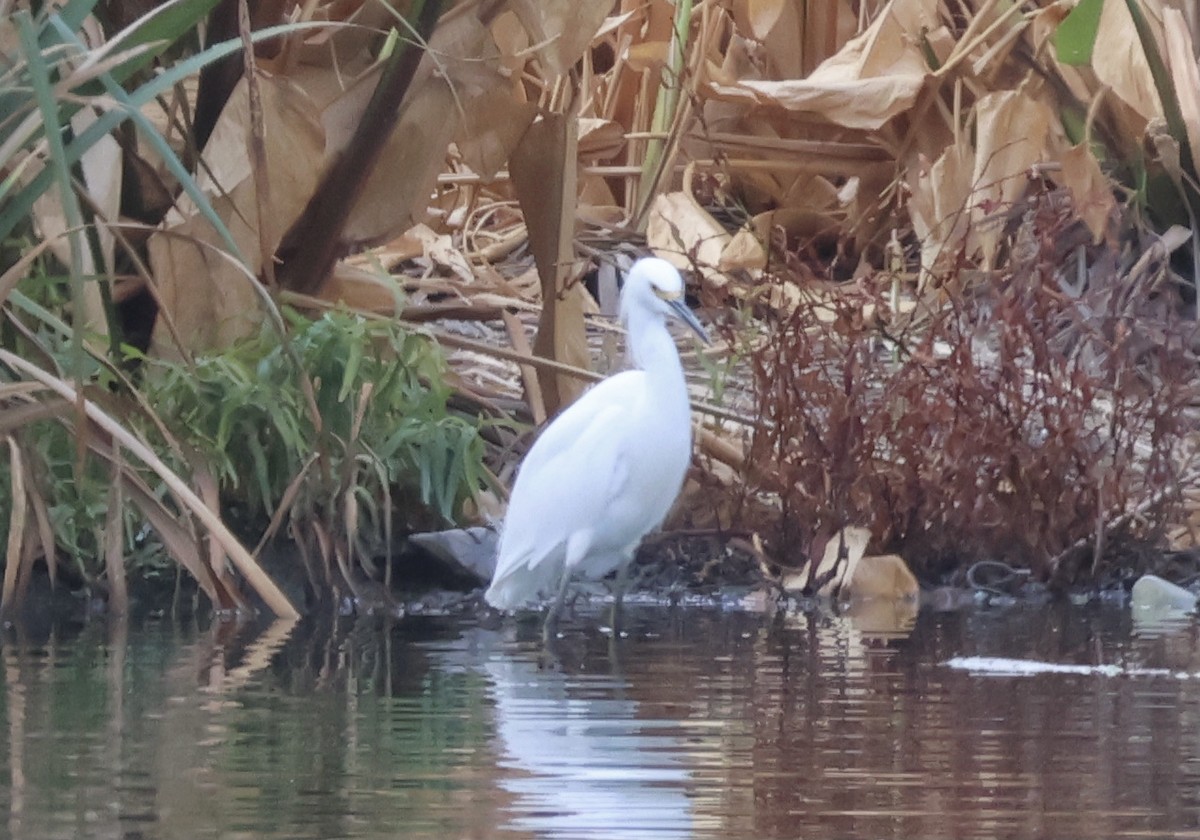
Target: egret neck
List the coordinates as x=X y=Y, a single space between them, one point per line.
x=653 y=350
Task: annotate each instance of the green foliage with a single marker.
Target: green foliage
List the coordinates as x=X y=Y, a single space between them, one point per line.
x=327 y=424
x=380 y=416
x=1075 y=38
x=56 y=76
x=384 y=430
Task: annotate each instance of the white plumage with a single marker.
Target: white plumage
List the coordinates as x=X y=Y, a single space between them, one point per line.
x=606 y=471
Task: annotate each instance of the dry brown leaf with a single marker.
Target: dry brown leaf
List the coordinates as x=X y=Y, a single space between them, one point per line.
x=596 y=202
x=648 y=55
x=336 y=46
x=1181 y=59
x=785 y=44
x=544 y=172
x=884 y=576
x=208 y=297
x=809 y=192
x=491 y=129
x=529 y=375
x=177 y=538
x=560 y=30
x=15 y=554
x=101 y=165
x=939 y=204
x=854 y=103
x=463 y=90
x=325 y=84
x=1091 y=190
x=745 y=251
x=1013 y=130
x=874 y=77
x=114 y=542
x=462 y=65
x=1120 y=63
x=758 y=17
x=684 y=234
x=600 y=139
x=512 y=40
x=613 y=22
x=359 y=288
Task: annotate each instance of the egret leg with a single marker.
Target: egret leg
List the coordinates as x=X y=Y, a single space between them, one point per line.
x=576 y=549
x=620 y=587
x=556 y=608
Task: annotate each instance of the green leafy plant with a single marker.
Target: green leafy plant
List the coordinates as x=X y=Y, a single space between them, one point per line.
x=347 y=412
x=107 y=445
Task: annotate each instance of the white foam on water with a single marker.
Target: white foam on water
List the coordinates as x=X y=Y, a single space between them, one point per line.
x=996 y=666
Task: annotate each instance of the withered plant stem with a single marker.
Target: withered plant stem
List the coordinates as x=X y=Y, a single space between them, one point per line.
x=314 y=242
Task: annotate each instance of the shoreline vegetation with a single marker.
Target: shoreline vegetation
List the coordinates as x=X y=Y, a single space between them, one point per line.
x=302 y=280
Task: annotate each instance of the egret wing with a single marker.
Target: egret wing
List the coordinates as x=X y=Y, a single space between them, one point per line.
x=572 y=473
x=584 y=420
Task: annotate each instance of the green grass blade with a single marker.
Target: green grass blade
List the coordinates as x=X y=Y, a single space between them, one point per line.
x=22 y=203
x=60 y=168
x=162 y=27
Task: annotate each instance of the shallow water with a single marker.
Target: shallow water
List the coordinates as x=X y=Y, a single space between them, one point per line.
x=699 y=723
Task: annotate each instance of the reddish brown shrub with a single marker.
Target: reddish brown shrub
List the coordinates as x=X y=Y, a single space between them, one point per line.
x=1017 y=419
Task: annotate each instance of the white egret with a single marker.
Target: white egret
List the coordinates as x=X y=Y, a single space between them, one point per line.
x=606 y=471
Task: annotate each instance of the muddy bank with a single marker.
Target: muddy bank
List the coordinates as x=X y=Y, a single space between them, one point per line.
x=429 y=578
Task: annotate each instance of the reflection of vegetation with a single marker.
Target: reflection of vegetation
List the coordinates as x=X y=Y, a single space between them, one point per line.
x=341 y=724
x=363 y=729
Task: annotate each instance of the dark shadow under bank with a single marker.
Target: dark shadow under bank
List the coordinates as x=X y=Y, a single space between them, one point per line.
x=687 y=570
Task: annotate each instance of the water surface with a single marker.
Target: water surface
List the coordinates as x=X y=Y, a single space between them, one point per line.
x=698 y=723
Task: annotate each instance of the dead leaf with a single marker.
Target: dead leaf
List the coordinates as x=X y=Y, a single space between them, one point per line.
x=361 y=289
x=544 y=172
x=15 y=554
x=560 y=30
x=491 y=128
x=939 y=203
x=745 y=251
x=648 y=55
x=512 y=40
x=101 y=166
x=874 y=77
x=1181 y=59
x=758 y=17
x=208 y=297
x=600 y=139
x=1120 y=63
x=462 y=64
x=884 y=576
x=1012 y=130
x=1091 y=190
x=684 y=234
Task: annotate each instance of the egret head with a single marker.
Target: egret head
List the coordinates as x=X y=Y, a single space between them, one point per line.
x=654 y=287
